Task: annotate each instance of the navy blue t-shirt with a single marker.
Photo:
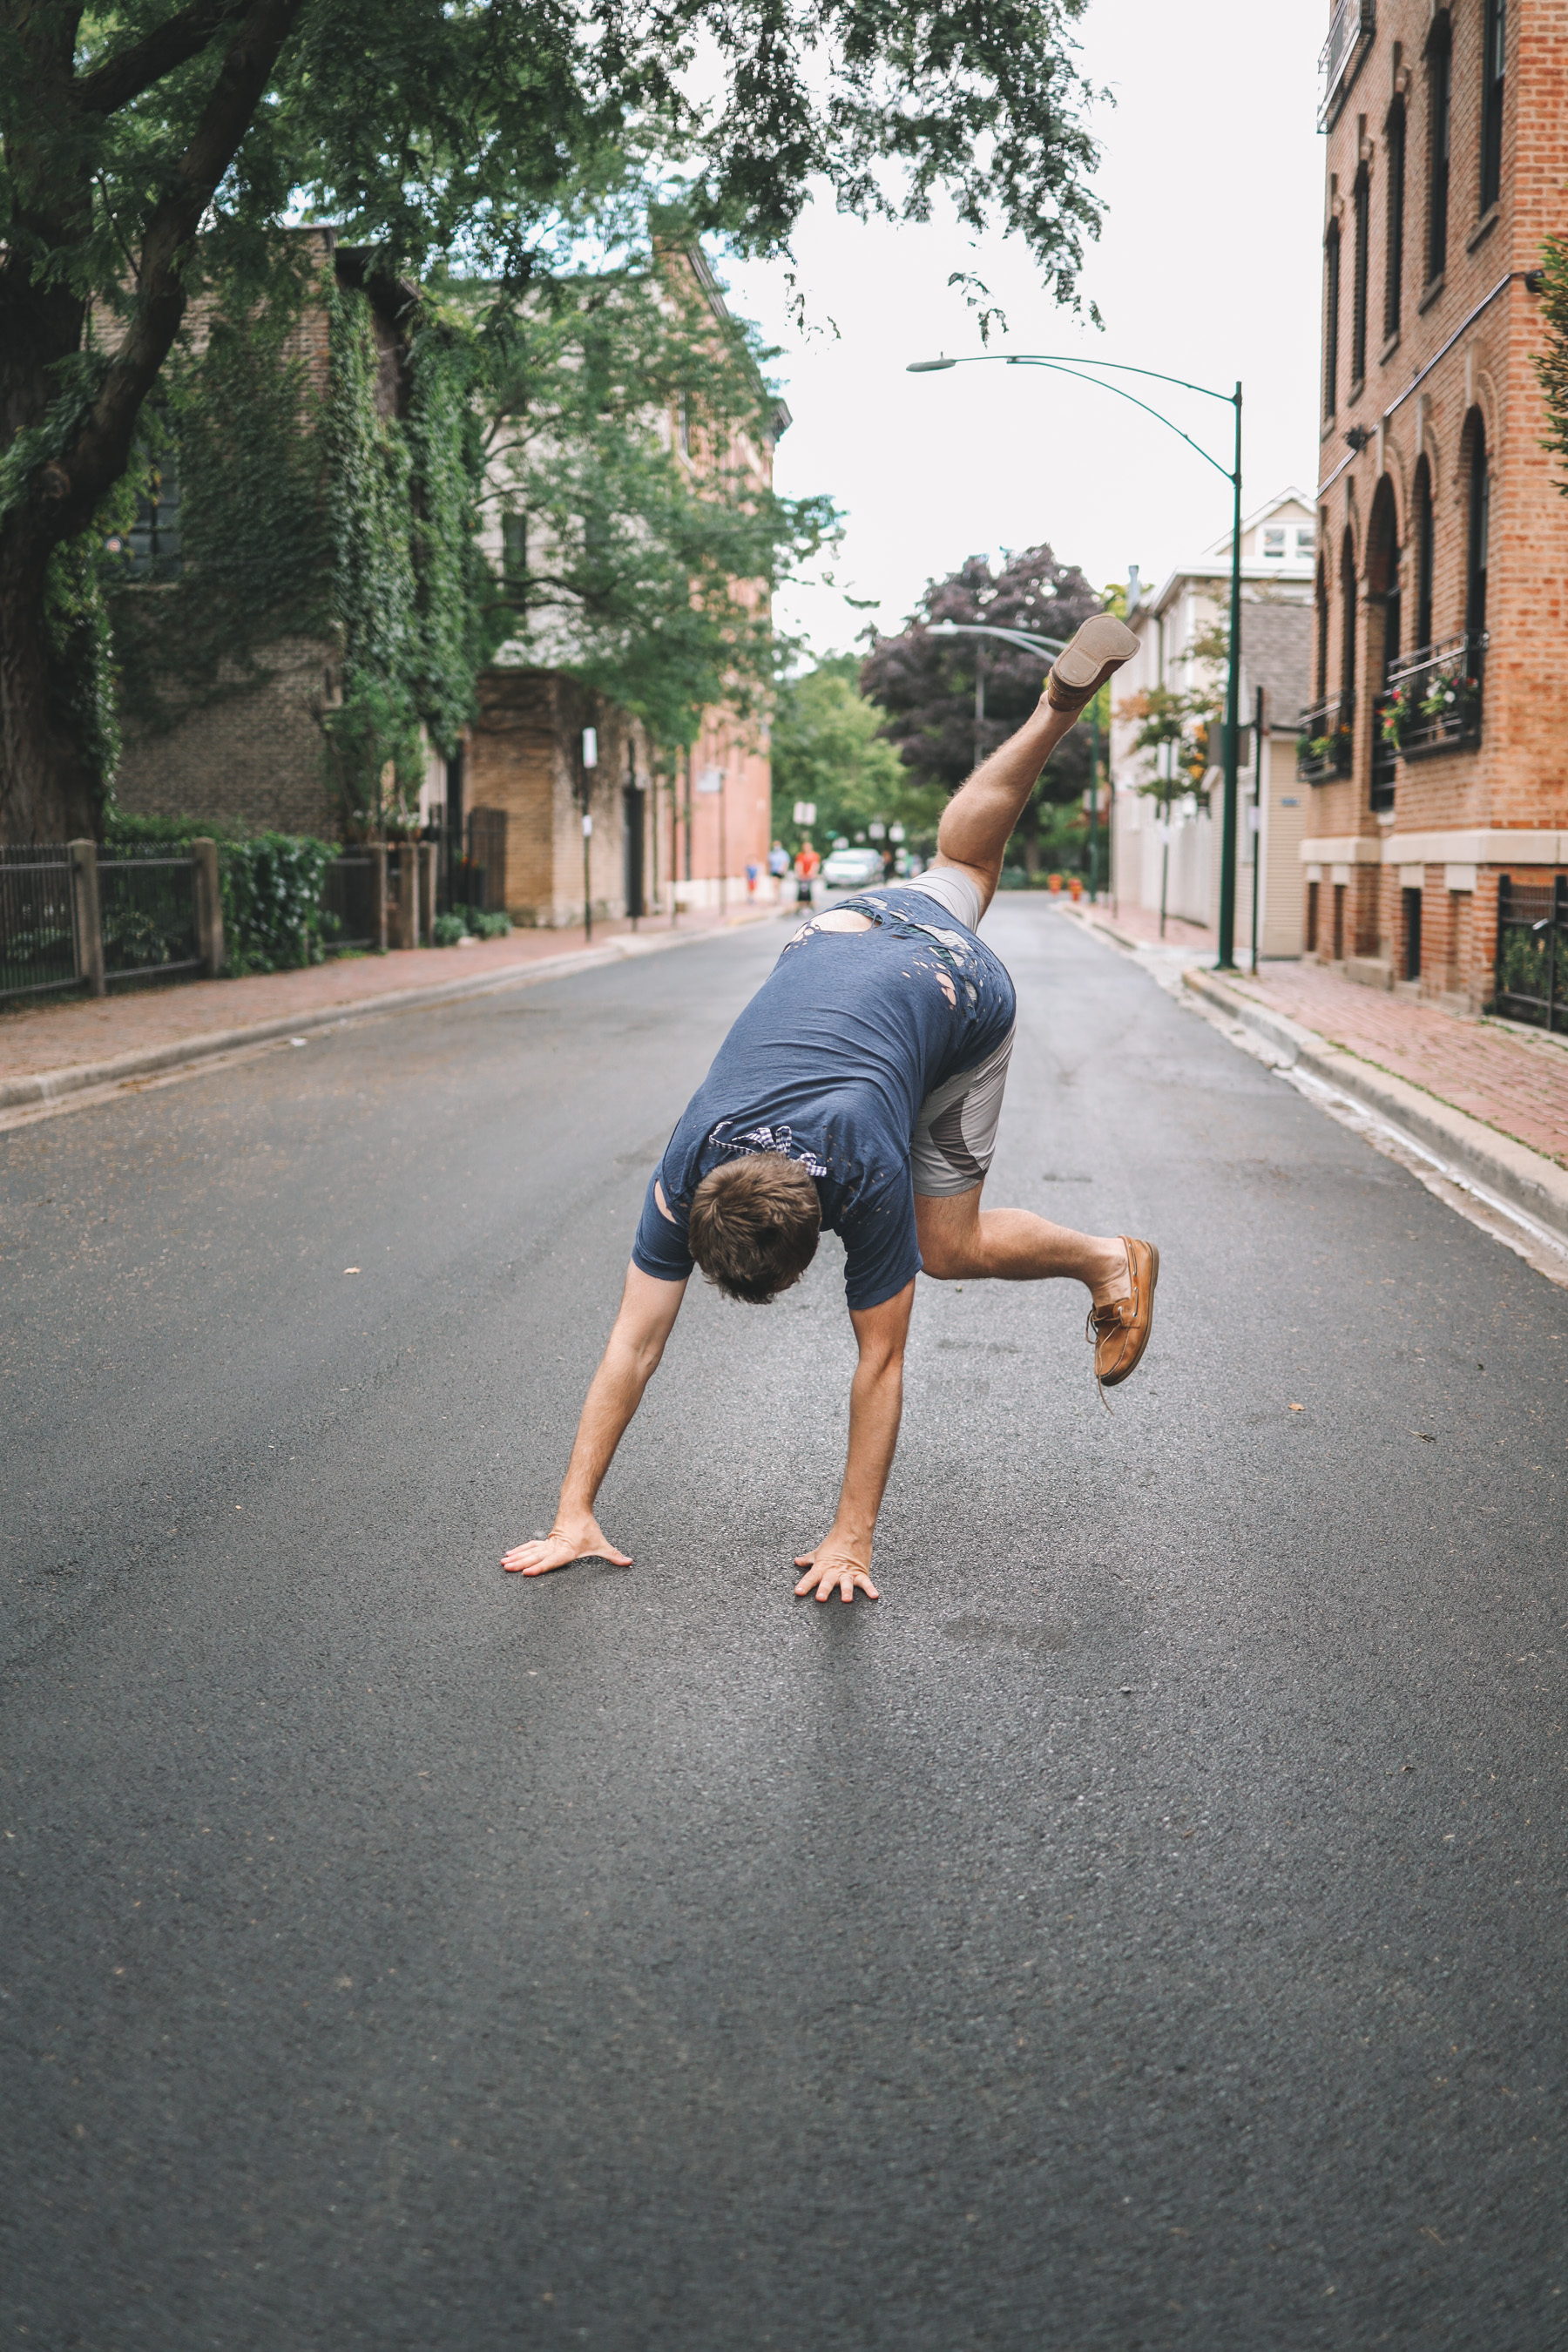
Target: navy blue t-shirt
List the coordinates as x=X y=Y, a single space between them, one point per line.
x=829 y=1065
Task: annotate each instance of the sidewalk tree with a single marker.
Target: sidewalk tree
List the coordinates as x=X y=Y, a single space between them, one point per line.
x=628 y=421
x=147 y=148
x=1552 y=363
x=951 y=700
x=828 y=749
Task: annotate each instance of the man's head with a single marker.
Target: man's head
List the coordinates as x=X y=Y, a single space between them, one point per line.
x=754 y=1225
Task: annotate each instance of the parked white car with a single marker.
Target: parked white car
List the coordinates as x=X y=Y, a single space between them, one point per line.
x=851 y=869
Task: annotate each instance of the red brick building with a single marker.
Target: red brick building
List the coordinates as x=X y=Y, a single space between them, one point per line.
x=1438 y=741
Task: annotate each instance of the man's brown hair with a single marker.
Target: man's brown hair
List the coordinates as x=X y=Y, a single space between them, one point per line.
x=754 y=1225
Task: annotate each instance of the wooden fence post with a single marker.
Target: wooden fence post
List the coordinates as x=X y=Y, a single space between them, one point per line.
x=209 y=907
x=406 y=904
x=88 y=923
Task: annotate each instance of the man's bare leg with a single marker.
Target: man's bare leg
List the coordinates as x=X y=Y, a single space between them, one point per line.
x=978 y=821
x=960 y=1241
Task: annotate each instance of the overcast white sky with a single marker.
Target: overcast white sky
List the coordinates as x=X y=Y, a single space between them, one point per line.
x=1207 y=268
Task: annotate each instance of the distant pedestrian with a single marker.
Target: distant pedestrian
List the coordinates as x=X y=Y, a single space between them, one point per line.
x=807 y=867
x=778 y=861
x=860 y=1089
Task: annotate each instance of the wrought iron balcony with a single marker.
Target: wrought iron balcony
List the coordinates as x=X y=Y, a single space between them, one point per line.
x=1351 y=34
x=1324 y=751
x=1433 y=702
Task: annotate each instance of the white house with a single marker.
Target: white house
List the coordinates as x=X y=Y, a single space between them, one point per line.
x=1278 y=558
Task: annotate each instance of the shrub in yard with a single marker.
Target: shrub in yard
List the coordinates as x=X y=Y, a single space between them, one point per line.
x=447 y=930
x=490 y=927
x=270 y=883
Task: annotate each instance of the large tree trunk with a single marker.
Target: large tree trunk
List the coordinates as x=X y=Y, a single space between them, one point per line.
x=46 y=792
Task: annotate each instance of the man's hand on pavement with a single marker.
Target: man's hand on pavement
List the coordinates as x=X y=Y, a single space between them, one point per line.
x=575 y=1539
x=836 y=1563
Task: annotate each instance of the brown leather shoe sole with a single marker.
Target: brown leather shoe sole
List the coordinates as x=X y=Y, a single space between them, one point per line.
x=1098 y=651
x=1120 y=1331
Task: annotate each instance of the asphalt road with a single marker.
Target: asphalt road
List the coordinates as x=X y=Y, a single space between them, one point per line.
x=1143 y=1928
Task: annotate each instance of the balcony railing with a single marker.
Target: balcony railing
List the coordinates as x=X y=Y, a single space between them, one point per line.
x=1351 y=34
x=1434 y=701
x=1325 y=747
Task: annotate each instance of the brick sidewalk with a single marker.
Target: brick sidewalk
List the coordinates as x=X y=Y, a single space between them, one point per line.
x=66 y=1032
x=1511 y=1078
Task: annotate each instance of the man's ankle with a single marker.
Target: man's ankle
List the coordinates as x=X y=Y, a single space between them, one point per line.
x=1113 y=1278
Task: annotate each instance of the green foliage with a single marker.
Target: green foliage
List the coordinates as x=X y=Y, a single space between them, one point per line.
x=488 y=926
x=828 y=748
x=1552 y=362
x=82 y=659
x=305 y=517
x=270 y=885
x=457 y=138
x=447 y=930
x=630 y=426
x=236 y=427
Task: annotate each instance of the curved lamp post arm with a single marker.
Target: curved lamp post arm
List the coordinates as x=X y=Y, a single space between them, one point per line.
x=1059 y=367
x=1024 y=638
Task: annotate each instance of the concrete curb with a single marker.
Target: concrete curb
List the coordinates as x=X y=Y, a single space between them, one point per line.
x=1526 y=1178
x=79 y=1078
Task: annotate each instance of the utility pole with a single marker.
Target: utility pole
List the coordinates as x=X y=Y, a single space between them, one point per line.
x=1256 y=812
x=1226 y=960
x=1093 y=794
x=590 y=761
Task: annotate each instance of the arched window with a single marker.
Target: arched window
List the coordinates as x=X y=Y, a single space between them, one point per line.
x=1494 y=53
x=1421 y=532
x=1361 y=202
x=1439 y=84
x=1480 y=524
x=1393 y=248
x=1332 y=319
x=1382 y=572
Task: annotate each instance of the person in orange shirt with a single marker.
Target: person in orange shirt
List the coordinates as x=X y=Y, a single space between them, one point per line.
x=807 y=866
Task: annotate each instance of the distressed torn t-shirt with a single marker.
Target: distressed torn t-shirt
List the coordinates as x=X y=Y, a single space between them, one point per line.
x=829 y=1065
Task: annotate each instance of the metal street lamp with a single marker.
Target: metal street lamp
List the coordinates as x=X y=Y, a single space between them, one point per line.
x=1075 y=367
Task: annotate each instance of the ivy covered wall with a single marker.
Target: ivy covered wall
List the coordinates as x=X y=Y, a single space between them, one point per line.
x=326 y=595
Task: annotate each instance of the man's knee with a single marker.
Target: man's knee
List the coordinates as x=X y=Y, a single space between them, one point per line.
x=949 y=1257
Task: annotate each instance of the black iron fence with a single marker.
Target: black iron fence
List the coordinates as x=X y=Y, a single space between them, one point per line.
x=147 y=906
x=1433 y=702
x=38 y=946
x=352 y=892
x=1533 y=950
x=1324 y=748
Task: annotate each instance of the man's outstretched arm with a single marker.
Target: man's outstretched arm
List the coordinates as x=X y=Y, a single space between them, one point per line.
x=648 y=1310
x=843 y=1558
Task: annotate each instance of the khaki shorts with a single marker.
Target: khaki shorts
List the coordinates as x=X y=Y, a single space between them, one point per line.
x=955 y=1134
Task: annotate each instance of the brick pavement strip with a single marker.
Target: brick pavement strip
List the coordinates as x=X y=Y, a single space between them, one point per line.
x=67 y=1048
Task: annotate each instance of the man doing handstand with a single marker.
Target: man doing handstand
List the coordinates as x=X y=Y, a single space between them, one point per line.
x=860 y=1089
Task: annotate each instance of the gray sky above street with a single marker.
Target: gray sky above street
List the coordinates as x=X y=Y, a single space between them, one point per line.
x=1207 y=268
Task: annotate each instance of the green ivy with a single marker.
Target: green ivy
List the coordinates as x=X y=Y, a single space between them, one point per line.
x=307 y=516
x=269 y=883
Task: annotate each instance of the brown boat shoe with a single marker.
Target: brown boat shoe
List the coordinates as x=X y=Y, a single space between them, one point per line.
x=1081 y=668
x=1120 y=1331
